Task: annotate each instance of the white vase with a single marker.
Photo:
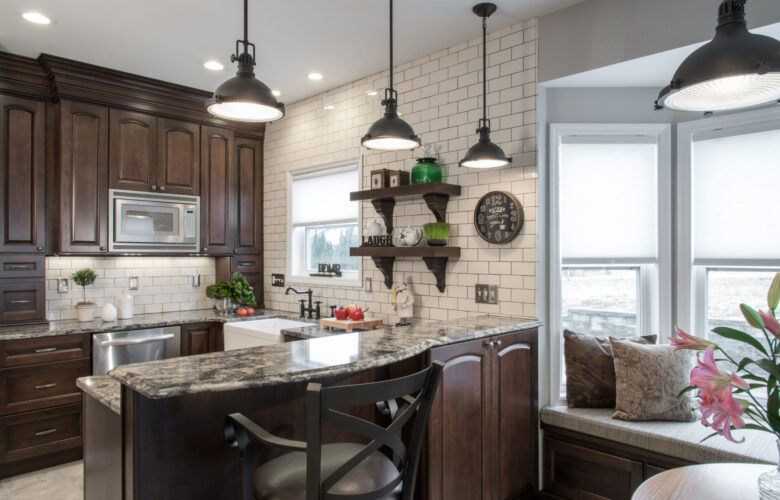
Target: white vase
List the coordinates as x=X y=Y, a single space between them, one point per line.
x=124 y=305
x=769 y=483
x=108 y=313
x=85 y=311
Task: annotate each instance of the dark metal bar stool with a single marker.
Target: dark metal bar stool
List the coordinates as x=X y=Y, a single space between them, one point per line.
x=347 y=471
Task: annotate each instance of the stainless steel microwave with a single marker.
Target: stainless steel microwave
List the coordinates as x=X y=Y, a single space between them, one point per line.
x=153 y=222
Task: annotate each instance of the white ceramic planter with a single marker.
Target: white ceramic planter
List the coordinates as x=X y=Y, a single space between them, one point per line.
x=86 y=312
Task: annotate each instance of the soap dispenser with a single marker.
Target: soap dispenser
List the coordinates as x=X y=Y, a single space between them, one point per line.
x=124 y=305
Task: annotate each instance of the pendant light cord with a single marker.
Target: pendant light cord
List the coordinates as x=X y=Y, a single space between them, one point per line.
x=246 y=21
x=391 y=45
x=484 y=70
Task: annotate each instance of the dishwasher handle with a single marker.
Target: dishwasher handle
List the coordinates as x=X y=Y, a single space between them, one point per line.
x=142 y=340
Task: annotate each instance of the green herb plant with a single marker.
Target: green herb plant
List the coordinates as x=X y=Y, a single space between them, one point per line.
x=84 y=278
x=437 y=231
x=236 y=289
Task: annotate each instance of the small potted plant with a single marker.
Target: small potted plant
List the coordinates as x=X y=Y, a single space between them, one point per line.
x=228 y=295
x=84 y=278
x=437 y=233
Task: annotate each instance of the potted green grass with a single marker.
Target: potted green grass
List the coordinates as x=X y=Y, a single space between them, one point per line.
x=437 y=233
x=83 y=278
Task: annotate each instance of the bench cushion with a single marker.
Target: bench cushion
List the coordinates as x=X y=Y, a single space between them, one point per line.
x=676 y=439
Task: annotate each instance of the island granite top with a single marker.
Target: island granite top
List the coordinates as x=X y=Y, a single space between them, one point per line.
x=103 y=388
x=321 y=355
x=73 y=327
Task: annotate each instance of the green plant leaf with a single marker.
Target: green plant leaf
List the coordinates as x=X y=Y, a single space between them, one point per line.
x=772 y=408
x=706 y=438
x=687 y=389
x=773 y=297
x=757 y=427
x=755 y=378
x=731 y=333
x=751 y=316
x=770 y=368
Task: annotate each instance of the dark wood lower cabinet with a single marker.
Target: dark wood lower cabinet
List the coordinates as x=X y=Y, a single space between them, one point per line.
x=198 y=338
x=482 y=437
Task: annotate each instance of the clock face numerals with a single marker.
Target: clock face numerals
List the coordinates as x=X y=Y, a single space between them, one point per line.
x=498 y=217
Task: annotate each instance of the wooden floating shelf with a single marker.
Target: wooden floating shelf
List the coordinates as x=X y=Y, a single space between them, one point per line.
x=420 y=251
x=407 y=191
x=435 y=259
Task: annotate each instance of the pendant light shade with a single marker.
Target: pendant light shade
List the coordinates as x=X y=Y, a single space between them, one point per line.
x=484 y=154
x=736 y=69
x=245 y=98
x=390 y=133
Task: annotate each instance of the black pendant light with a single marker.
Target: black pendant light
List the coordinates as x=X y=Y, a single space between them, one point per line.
x=484 y=154
x=390 y=133
x=736 y=69
x=244 y=98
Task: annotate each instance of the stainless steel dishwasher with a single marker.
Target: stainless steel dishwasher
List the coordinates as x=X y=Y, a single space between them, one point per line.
x=112 y=349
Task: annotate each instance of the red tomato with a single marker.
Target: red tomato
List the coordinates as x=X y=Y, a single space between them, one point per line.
x=241 y=312
x=250 y=311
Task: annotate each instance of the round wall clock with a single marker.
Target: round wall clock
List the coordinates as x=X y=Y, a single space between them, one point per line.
x=498 y=217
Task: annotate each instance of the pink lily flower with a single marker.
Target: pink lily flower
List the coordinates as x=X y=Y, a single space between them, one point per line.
x=721 y=411
x=686 y=341
x=708 y=376
x=770 y=323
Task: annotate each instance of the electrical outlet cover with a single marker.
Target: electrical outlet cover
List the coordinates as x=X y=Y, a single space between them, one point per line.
x=62 y=285
x=133 y=285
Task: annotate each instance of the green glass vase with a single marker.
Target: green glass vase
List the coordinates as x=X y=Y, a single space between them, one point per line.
x=426 y=170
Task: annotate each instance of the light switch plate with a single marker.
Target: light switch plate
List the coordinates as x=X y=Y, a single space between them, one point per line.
x=486 y=294
x=367 y=289
x=277 y=280
x=62 y=285
x=195 y=280
x=133 y=285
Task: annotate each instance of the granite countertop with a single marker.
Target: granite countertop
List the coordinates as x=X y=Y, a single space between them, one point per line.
x=105 y=389
x=73 y=327
x=323 y=354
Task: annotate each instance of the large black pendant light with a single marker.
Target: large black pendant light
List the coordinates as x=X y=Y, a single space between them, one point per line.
x=390 y=133
x=484 y=154
x=244 y=98
x=736 y=69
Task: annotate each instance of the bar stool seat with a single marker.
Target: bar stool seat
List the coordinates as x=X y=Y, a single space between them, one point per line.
x=284 y=478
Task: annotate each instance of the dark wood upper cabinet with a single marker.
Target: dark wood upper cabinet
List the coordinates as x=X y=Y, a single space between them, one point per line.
x=132 y=142
x=83 y=175
x=22 y=180
x=482 y=430
x=249 y=222
x=178 y=157
x=217 y=183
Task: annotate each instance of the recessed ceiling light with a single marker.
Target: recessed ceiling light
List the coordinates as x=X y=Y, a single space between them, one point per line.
x=372 y=92
x=36 y=17
x=276 y=93
x=330 y=106
x=213 y=65
x=315 y=76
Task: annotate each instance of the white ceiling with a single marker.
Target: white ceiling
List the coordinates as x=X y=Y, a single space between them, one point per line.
x=170 y=39
x=655 y=70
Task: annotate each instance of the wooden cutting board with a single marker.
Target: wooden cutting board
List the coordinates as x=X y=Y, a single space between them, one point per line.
x=349 y=325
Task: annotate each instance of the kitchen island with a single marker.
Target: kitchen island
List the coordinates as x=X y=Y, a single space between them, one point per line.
x=170 y=411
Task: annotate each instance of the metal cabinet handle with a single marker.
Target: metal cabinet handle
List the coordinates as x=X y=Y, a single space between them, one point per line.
x=245 y=264
x=142 y=340
x=102 y=248
x=498 y=343
x=39 y=248
x=46 y=386
x=46 y=349
x=162 y=188
x=20 y=267
x=46 y=432
x=205 y=249
x=21 y=301
x=490 y=344
x=154 y=187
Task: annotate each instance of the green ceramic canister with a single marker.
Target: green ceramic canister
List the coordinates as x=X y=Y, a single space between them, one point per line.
x=426 y=170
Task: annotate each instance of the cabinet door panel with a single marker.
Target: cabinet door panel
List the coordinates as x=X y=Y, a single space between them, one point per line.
x=83 y=178
x=249 y=157
x=216 y=202
x=178 y=148
x=457 y=460
x=132 y=138
x=197 y=338
x=22 y=180
x=514 y=382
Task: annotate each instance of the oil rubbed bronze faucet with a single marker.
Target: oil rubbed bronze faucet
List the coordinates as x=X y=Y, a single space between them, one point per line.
x=304 y=309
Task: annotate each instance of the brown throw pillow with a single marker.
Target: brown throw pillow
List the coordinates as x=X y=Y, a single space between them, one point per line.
x=649 y=378
x=590 y=370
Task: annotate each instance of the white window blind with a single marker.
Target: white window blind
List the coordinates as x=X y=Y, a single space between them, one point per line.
x=735 y=186
x=609 y=200
x=324 y=198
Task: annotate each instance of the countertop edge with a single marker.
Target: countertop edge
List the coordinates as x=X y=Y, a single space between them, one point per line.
x=103 y=388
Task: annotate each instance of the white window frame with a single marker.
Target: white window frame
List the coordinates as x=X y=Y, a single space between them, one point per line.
x=691 y=277
x=655 y=316
x=311 y=171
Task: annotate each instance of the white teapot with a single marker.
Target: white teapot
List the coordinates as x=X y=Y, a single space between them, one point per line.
x=374 y=228
x=409 y=236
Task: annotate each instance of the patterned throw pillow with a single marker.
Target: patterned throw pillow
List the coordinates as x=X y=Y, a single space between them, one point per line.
x=590 y=370
x=649 y=378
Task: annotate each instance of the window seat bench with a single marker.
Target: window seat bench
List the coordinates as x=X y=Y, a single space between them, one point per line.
x=587 y=454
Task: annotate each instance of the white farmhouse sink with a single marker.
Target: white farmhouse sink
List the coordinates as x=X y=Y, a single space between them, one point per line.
x=257 y=332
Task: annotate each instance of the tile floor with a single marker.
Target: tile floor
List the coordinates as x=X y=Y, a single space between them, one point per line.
x=62 y=482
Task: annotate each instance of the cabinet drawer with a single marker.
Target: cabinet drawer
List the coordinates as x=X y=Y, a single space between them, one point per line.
x=22 y=300
x=43 y=350
x=22 y=266
x=43 y=386
x=246 y=264
x=37 y=433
